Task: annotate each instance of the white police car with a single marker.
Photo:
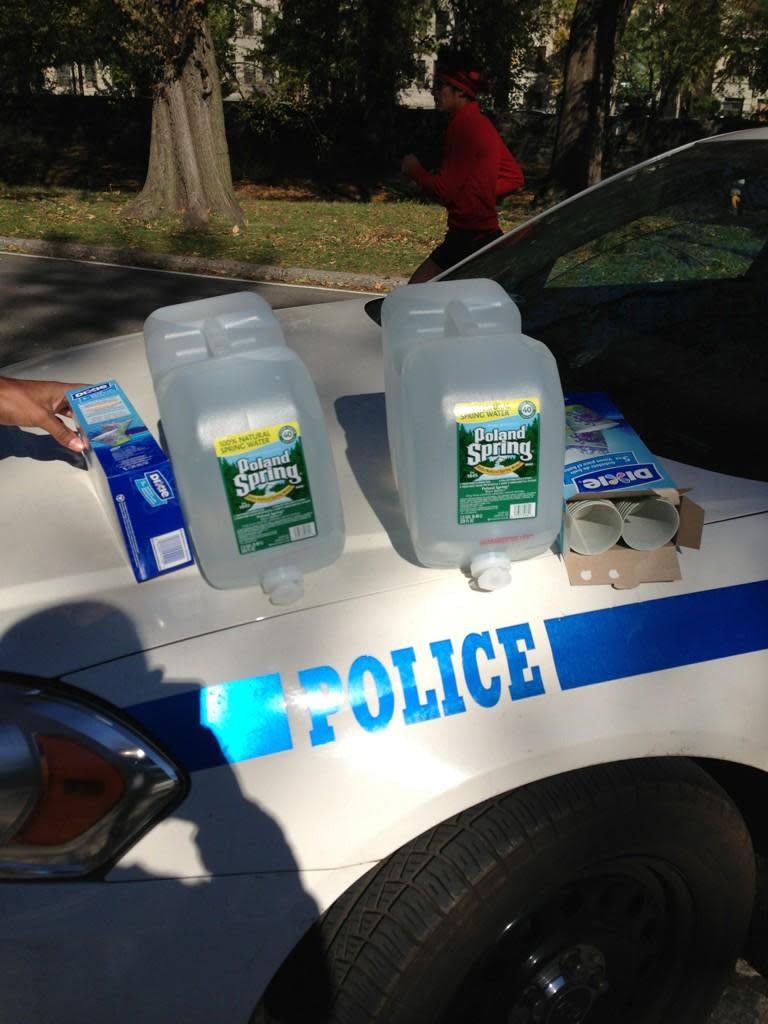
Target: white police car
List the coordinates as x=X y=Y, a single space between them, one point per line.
x=402 y=801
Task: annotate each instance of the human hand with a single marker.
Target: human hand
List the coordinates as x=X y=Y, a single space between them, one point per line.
x=409 y=163
x=38 y=403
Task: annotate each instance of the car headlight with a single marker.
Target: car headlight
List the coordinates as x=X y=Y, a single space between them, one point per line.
x=78 y=783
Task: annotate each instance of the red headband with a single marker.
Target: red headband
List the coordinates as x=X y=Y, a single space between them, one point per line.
x=467 y=82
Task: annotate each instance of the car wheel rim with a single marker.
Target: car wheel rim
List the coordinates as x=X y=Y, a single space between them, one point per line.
x=605 y=946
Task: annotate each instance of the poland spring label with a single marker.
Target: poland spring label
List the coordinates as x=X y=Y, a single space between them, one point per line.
x=267 y=487
x=498 y=450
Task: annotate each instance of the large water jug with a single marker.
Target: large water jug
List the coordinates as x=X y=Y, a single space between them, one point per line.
x=476 y=425
x=248 y=444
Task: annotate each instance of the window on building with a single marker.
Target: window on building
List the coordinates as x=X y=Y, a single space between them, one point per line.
x=248 y=22
x=249 y=71
x=534 y=99
x=64 y=77
x=733 y=106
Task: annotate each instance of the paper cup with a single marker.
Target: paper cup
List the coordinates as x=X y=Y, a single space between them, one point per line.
x=592 y=526
x=648 y=523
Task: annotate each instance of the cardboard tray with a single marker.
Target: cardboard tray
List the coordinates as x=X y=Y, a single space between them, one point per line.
x=623 y=567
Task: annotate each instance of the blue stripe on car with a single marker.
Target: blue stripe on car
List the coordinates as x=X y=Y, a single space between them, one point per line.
x=649 y=636
x=220 y=724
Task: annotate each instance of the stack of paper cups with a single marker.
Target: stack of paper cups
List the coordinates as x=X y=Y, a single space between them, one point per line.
x=592 y=526
x=647 y=523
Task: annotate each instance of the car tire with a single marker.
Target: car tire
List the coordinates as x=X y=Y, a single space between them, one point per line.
x=620 y=892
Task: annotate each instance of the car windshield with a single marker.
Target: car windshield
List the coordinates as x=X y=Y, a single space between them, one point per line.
x=654 y=288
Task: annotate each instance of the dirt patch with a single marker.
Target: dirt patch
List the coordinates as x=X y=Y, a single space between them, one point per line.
x=296 y=193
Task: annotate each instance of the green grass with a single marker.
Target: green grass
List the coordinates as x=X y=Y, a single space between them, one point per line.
x=284 y=227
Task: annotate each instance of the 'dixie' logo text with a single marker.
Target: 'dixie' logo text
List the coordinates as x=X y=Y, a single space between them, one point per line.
x=160 y=485
x=154 y=488
x=94 y=389
x=620 y=479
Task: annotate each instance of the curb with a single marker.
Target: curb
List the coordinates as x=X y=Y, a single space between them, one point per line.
x=201 y=265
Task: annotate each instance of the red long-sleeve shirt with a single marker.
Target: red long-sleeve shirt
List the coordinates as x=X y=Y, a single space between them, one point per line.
x=476 y=169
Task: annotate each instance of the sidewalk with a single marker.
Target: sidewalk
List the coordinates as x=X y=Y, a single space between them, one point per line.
x=203 y=265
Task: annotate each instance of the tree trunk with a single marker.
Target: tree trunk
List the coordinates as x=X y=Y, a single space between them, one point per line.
x=189 y=170
x=577 y=160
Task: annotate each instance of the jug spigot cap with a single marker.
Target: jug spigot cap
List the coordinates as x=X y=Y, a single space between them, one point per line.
x=491 y=570
x=283 y=585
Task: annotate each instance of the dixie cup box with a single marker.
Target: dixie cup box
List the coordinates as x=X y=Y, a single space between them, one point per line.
x=133 y=479
x=605 y=458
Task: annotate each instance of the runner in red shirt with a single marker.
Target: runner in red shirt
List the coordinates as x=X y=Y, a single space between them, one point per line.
x=477 y=169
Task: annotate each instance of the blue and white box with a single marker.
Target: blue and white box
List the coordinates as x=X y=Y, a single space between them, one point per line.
x=133 y=478
x=603 y=454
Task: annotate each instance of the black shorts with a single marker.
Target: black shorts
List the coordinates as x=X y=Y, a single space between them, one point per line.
x=460 y=243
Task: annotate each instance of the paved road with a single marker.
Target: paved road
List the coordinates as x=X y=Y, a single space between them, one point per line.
x=52 y=303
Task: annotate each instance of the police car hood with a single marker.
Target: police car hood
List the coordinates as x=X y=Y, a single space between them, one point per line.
x=65 y=582
x=68 y=599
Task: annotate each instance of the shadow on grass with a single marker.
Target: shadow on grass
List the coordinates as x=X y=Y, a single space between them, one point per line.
x=218 y=244
x=20 y=194
x=187 y=243
x=61 y=243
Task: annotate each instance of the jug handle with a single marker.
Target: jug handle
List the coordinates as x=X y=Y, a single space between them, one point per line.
x=216 y=338
x=458 y=320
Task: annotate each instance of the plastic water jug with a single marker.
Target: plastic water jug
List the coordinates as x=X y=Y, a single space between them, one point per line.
x=248 y=444
x=476 y=426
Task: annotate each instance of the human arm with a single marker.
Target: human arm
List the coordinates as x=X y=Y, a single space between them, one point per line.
x=38 y=403
x=510 y=175
x=456 y=164
x=410 y=163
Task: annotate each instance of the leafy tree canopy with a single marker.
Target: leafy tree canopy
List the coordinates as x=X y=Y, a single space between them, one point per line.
x=36 y=36
x=153 y=39
x=671 y=51
x=667 y=50
x=744 y=31
x=346 y=51
x=136 y=42
x=504 y=41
